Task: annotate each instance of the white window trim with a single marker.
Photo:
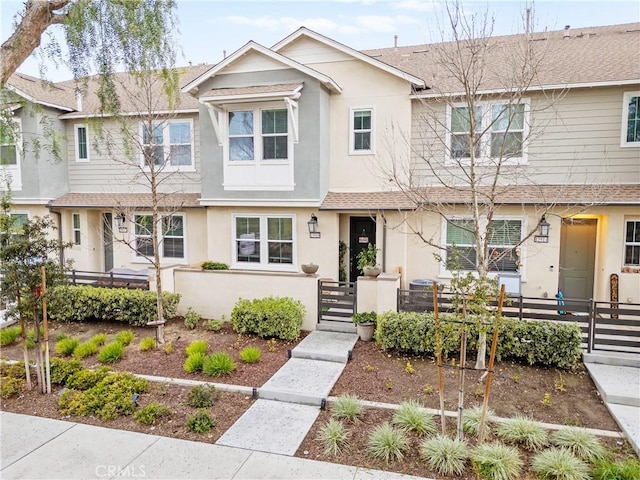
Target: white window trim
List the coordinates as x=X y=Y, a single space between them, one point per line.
x=135 y=258
x=624 y=241
x=74 y=229
x=444 y=273
x=20 y=212
x=167 y=167
x=485 y=144
x=264 y=265
x=352 y=149
x=14 y=172
x=625 y=114
x=77 y=144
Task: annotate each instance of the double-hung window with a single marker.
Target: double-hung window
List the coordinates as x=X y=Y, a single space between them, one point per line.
x=632 y=243
x=82 y=143
x=264 y=240
x=10 y=152
x=271 y=144
x=496 y=132
x=631 y=120
x=168 y=144
x=75 y=227
x=504 y=238
x=172 y=236
x=361 y=134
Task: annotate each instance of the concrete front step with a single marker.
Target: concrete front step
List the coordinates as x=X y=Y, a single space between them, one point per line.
x=621 y=359
x=271 y=427
x=334 y=326
x=616 y=384
x=302 y=380
x=628 y=418
x=326 y=346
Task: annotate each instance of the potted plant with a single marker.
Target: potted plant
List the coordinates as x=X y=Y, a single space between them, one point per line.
x=309 y=268
x=367 y=261
x=365 y=324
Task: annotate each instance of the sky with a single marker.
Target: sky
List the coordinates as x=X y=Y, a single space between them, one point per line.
x=209 y=29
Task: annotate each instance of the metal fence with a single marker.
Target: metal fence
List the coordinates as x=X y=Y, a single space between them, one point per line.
x=108 y=279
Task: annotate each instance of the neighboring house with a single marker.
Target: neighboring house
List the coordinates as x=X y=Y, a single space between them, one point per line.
x=307 y=129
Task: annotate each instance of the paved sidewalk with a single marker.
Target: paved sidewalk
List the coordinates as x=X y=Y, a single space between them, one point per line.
x=43 y=448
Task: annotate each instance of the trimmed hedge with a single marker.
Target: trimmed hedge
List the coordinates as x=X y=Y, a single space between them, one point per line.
x=536 y=342
x=86 y=303
x=279 y=317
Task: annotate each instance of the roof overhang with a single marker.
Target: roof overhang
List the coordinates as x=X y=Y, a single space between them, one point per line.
x=252 y=94
x=125 y=200
x=31 y=99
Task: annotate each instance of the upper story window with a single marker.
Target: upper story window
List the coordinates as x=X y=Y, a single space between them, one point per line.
x=172 y=237
x=361 y=135
x=169 y=144
x=271 y=144
x=263 y=240
x=10 y=152
x=494 y=131
x=82 y=143
x=631 y=120
x=632 y=243
x=504 y=238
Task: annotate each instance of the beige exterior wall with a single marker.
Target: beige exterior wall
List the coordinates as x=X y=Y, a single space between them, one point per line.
x=213 y=294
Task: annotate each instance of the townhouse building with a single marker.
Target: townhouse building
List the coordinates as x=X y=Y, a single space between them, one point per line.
x=274 y=156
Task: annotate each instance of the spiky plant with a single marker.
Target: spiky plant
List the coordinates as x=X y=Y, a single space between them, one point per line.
x=66 y=346
x=194 y=363
x=580 y=441
x=616 y=470
x=99 y=339
x=218 y=363
x=495 y=461
x=9 y=335
x=333 y=436
x=412 y=416
x=347 y=407
x=387 y=442
x=125 y=337
x=523 y=431
x=445 y=455
x=250 y=354
x=147 y=343
x=111 y=352
x=198 y=346
x=85 y=349
x=471 y=420
x=559 y=464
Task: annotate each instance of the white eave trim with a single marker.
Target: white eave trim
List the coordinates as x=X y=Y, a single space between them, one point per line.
x=30 y=201
x=349 y=51
x=127 y=114
x=31 y=99
x=275 y=202
x=538 y=88
x=192 y=86
x=253 y=97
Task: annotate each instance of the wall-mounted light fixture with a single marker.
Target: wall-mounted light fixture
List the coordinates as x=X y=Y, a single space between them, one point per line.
x=543 y=231
x=313 y=227
x=120 y=220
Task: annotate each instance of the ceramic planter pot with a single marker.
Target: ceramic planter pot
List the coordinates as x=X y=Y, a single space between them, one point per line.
x=371 y=271
x=309 y=268
x=365 y=331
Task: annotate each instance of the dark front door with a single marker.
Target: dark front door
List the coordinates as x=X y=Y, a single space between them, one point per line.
x=362 y=232
x=107 y=240
x=577 y=257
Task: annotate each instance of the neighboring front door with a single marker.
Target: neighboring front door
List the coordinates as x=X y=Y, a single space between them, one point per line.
x=362 y=232
x=577 y=257
x=107 y=240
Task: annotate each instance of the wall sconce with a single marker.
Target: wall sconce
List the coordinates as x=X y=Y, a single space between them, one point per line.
x=543 y=231
x=120 y=220
x=313 y=227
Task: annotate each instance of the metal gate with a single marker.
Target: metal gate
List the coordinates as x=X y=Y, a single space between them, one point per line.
x=336 y=301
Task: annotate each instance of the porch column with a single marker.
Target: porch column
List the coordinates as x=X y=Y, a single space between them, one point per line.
x=378 y=294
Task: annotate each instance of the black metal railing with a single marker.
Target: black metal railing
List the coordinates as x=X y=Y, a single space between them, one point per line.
x=108 y=279
x=336 y=300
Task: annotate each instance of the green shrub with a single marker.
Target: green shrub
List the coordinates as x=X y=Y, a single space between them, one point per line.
x=70 y=303
x=62 y=369
x=11 y=386
x=218 y=363
x=612 y=470
x=85 y=379
x=495 y=461
x=348 y=407
x=194 y=363
x=168 y=348
x=445 y=455
x=214 y=325
x=524 y=432
x=201 y=396
x=580 y=441
x=13 y=370
x=471 y=420
x=148 y=414
x=536 y=342
x=208 y=265
x=387 y=442
x=111 y=352
x=66 y=346
x=191 y=319
x=412 y=416
x=333 y=436
x=147 y=343
x=61 y=336
x=124 y=337
x=108 y=399
x=559 y=464
x=9 y=335
x=99 y=339
x=197 y=346
x=200 y=422
x=279 y=317
x=250 y=354
x=85 y=349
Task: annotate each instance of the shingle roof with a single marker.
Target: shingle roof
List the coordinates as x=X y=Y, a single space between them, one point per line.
x=582 y=55
x=46 y=92
x=125 y=200
x=511 y=195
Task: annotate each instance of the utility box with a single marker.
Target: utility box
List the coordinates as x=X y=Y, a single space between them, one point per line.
x=512 y=283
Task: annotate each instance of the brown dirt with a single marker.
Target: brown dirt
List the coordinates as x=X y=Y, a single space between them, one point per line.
x=372 y=374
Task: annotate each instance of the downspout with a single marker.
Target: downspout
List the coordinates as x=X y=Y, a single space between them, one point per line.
x=384 y=241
